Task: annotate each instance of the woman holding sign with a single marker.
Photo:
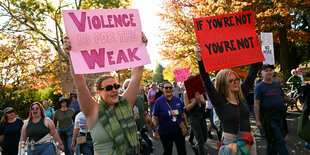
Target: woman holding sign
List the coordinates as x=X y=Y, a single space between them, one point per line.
x=228 y=98
x=110 y=120
x=195 y=108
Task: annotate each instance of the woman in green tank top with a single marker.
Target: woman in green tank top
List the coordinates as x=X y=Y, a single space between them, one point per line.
x=40 y=131
x=110 y=110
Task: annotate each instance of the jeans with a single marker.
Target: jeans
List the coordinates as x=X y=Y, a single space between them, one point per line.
x=167 y=142
x=42 y=149
x=88 y=147
x=151 y=108
x=198 y=124
x=276 y=123
x=65 y=135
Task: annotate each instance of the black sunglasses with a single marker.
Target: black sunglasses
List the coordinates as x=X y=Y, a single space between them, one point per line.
x=110 y=87
x=12 y=111
x=168 y=87
x=37 y=108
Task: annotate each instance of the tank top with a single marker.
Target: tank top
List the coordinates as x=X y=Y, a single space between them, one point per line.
x=36 y=131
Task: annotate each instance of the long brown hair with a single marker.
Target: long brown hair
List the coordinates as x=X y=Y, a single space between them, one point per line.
x=41 y=109
x=222 y=86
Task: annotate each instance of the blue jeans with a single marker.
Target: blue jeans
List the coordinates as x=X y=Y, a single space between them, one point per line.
x=151 y=108
x=65 y=135
x=88 y=147
x=42 y=149
x=276 y=125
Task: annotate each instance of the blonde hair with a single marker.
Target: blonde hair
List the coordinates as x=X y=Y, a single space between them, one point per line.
x=222 y=85
x=4 y=119
x=293 y=71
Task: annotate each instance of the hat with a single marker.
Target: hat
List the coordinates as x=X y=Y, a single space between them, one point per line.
x=267 y=66
x=299 y=69
x=61 y=99
x=73 y=95
x=6 y=110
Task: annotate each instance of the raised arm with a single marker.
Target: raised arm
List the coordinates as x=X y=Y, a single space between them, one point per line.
x=248 y=82
x=133 y=88
x=87 y=103
x=132 y=91
x=214 y=96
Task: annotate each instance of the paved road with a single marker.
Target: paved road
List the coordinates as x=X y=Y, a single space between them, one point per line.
x=294 y=144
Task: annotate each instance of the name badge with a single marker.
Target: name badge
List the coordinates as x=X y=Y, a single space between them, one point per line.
x=175 y=112
x=136 y=112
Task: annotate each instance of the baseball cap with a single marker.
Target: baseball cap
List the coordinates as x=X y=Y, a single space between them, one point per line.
x=299 y=69
x=267 y=66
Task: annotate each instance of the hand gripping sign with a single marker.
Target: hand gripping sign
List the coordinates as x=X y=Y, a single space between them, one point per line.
x=105 y=40
x=228 y=40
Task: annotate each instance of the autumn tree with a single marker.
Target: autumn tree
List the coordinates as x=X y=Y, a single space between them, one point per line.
x=288 y=20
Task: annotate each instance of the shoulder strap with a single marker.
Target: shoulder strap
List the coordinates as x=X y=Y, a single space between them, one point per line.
x=171 y=111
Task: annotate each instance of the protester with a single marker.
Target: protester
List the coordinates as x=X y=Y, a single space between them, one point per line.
x=10 y=131
x=74 y=104
x=270 y=112
x=306 y=113
x=176 y=90
x=151 y=96
x=81 y=130
x=142 y=93
x=168 y=114
x=64 y=116
x=49 y=111
x=228 y=99
x=299 y=73
x=142 y=119
x=196 y=108
x=40 y=132
x=111 y=110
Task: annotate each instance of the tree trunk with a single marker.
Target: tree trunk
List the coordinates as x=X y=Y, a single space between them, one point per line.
x=284 y=53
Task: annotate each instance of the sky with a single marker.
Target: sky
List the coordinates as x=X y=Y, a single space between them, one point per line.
x=148 y=10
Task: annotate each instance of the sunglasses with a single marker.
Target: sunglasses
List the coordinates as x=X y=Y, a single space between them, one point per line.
x=168 y=87
x=36 y=108
x=9 y=112
x=234 y=80
x=110 y=87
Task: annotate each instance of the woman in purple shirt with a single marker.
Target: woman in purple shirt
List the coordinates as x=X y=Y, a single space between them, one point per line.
x=168 y=113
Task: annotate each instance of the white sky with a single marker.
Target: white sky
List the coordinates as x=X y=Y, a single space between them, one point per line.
x=148 y=10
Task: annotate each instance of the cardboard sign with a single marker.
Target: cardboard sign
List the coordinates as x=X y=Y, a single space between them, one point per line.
x=240 y=72
x=267 y=48
x=105 y=40
x=181 y=74
x=193 y=85
x=68 y=84
x=228 y=40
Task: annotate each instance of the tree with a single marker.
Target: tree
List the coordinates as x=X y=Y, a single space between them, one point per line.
x=158 y=76
x=287 y=19
x=147 y=77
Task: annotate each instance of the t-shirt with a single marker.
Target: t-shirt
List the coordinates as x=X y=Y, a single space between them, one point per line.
x=167 y=123
x=138 y=111
x=270 y=95
x=11 y=133
x=75 y=106
x=80 y=122
x=48 y=112
x=296 y=81
x=151 y=93
x=176 y=91
x=64 y=117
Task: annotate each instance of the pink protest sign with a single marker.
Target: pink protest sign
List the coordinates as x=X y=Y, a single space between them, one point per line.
x=181 y=74
x=105 y=40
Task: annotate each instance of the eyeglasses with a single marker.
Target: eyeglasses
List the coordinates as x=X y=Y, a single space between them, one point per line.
x=234 y=80
x=168 y=87
x=110 y=87
x=9 y=112
x=36 y=108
